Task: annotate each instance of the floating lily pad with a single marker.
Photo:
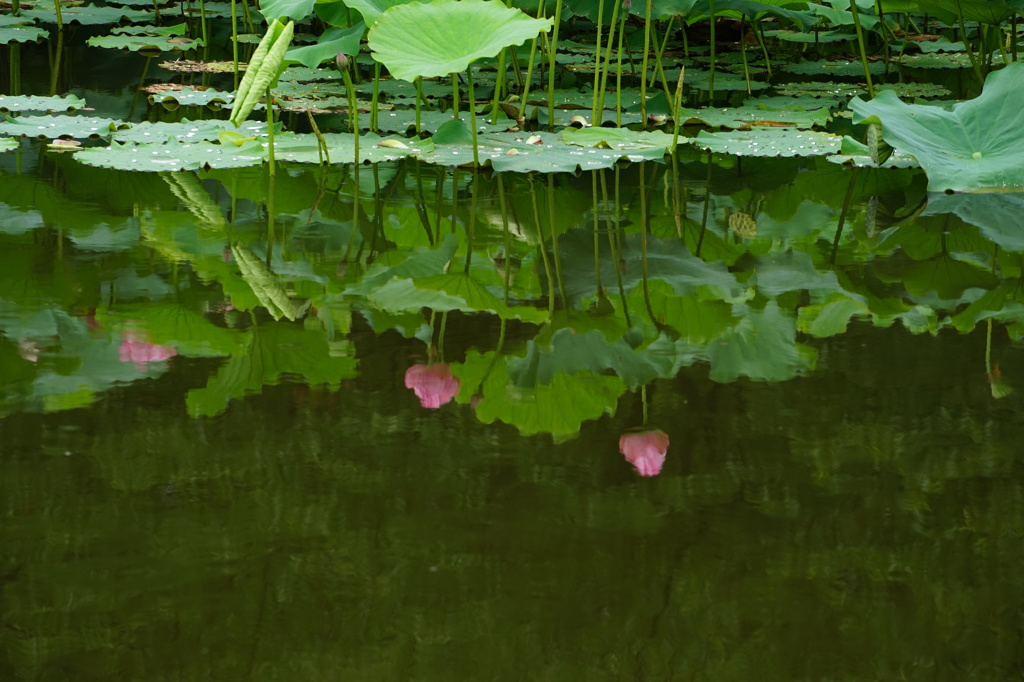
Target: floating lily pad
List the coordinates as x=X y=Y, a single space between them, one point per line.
x=819 y=37
x=441 y=37
x=619 y=139
x=915 y=90
x=186 y=131
x=972 y=148
x=403 y=120
x=22 y=103
x=952 y=60
x=304 y=148
x=194 y=66
x=172 y=156
x=769 y=142
x=87 y=15
x=17 y=34
x=745 y=118
x=193 y=97
x=825 y=67
x=81 y=127
x=146 y=43
x=7 y=144
x=793 y=102
x=840 y=91
x=701 y=80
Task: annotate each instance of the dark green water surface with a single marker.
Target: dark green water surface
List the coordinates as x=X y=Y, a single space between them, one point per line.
x=213 y=467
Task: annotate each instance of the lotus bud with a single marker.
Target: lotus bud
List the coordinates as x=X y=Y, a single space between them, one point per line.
x=645 y=450
x=627 y=5
x=341 y=61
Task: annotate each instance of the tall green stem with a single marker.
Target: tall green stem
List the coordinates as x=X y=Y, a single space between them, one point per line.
x=643 y=70
x=551 y=65
x=863 y=50
x=472 y=115
x=711 y=76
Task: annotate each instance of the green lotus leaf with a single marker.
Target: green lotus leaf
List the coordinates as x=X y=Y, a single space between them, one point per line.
x=331 y=42
x=403 y=120
x=832 y=69
x=947 y=60
x=915 y=90
x=793 y=102
x=23 y=103
x=304 y=148
x=275 y=10
x=701 y=80
x=755 y=10
x=819 y=37
x=747 y=117
x=372 y=9
x=148 y=43
x=983 y=11
x=973 y=148
x=173 y=156
x=830 y=318
x=86 y=15
x=856 y=153
x=193 y=97
x=769 y=142
x=17 y=34
x=619 y=139
x=265 y=66
x=11 y=20
x=997 y=215
x=828 y=89
x=185 y=131
x=55 y=126
x=435 y=39
x=7 y=144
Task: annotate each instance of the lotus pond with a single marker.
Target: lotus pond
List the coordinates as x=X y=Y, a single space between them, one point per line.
x=671 y=340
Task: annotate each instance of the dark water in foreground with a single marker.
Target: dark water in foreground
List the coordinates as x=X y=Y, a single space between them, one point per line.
x=863 y=523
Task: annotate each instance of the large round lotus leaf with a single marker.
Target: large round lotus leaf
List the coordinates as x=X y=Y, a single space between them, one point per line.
x=769 y=142
x=442 y=37
x=173 y=156
x=185 y=130
x=745 y=118
x=81 y=127
x=973 y=148
x=36 y=103
x=21 y=34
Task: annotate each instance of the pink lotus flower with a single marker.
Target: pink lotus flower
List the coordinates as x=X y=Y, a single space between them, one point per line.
x=434 y=384
x=645 y=450
x=134 y=348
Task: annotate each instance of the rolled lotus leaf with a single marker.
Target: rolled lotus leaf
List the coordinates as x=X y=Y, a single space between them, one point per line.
x=879 y=149
x=263 y=70
x=264 y=284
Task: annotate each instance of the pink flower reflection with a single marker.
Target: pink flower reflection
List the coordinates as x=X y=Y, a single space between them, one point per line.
x=134 y=348
x=434 y=384
x=645 y=450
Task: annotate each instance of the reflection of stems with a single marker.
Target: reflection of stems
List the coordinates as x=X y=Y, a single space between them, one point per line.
x=375 y=98
x=471 y=218
x=554 y=238
x=138 y=90
x=597 y=234
x=505 y=238
x=597 y=63
x=612 y=236
x=552 y=50
x=677 y=105
x=543 y=245
x=707 y=205
x=440 y=335
x=421 y=205
x=860 y=43
x=15 y=69
x=419 y=99
x=842 y=215
x=643 y=401
x=644 y=214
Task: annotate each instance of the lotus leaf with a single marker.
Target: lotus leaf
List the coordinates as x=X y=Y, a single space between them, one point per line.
x=619 y=139
x=372 y=9
x=11 y=20
x=275 y=10
x=435 y=39
x=22 y=103
x=7 y=144
x=983 y=11
x=185 y=130
x=304 y=148
x=996 y=215
x=331 y=42
x=21 y=35
x=56 y=126
x=745 y=118
x=173 y=156
x=946 y=60
x=753 y=10
x=193 y=97
x=145 y=43
x=445 y=292
x=403 y=120
x=87 y=15
x=841 y=91
x=701 y=80
x=828 y=68
x=916 y=90
x=762 y=346
x=819 y=37
x=972 y=148
x=769 y=142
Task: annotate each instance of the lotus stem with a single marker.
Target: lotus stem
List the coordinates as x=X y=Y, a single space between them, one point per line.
x=234 y=38
x=967 y=43
x=552 y=51
x=759 y=32
x=374 y=125
x=419 y=98
x=711 y=76
x=202 y=24
x=643 y=401
x=599 y=92
x=525 y=94
x=618 y=72
x=659 y=69
x=1013 y=36
x=645 y=214
x=499 y=85
x=455 y=197
x=643 y=69
x=597 y=62
x=455 y=95
x=863 y=51
x=472 y=115
x=353 y=117
x=58 y=56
